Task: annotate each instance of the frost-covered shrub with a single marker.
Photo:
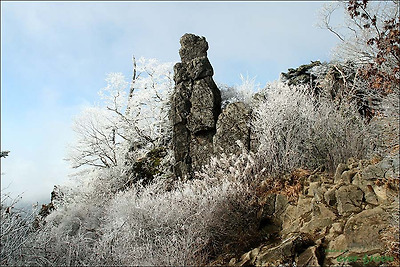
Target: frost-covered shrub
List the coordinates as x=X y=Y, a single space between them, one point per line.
x=294 y=129
x=66 y=236
x=185 y=226
x=244 y=168
x=239 y=93
x=16 y=225
x=187 y=223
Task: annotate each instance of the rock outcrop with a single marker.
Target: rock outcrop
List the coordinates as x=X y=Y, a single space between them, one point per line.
x=57 y=196
x=232 y=126
x=196 y=104
x=200 y=130
x=328 y=79
x=338 y=220
x=301 y=75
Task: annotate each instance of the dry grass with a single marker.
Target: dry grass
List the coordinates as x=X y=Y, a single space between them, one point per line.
x=290 y=185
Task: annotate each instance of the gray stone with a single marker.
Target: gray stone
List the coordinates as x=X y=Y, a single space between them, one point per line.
x=248 y=258
x=180 y=73
x=337 y=228
x=192 y=47
x=336 y=247
x=295 y=217
x=201 y=149
x=372 y=190
x=268 y=208
x=372 y=172
x=317 y=190
x=312 y=190
x=339 y=170
x=232 y=126
x=205 y=106
x=362 y=183
x=199 y=68
x=322 y=217
x=349 y=198
x=390 y=166
x=347 y=176
x=330 y=197
x=370 y=196
x=196 y=104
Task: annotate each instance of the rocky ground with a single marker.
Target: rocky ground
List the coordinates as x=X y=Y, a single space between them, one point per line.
x=337 y=220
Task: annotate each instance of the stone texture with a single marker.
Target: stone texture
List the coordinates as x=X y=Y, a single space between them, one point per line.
x=330 y=197
x=308 y=258
x=347 y=176
x=248 y=258
x=192 y=47
x=370 y=196
x=336 y=247
x=273 y=256
x=196 y=104
x=370 y=181
x=313 y=188
x=321 y=217
x=296 y=216
x=372 y=172
x=337 y=228
x=199 y=68
x=232 y=126
x=339 y=170
x=267 y=206
x=281 y=203
x=345 y=221
x=204 y=106
x=270 y=214
x=362 y=231
x=349 y=198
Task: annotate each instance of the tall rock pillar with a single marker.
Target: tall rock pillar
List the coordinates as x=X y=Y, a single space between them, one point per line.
x=196 y=104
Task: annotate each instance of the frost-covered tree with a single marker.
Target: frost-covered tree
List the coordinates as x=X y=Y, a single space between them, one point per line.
x=129 y=117
x=369 y=37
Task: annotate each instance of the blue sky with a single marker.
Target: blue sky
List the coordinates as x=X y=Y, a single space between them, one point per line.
x=55 y=57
